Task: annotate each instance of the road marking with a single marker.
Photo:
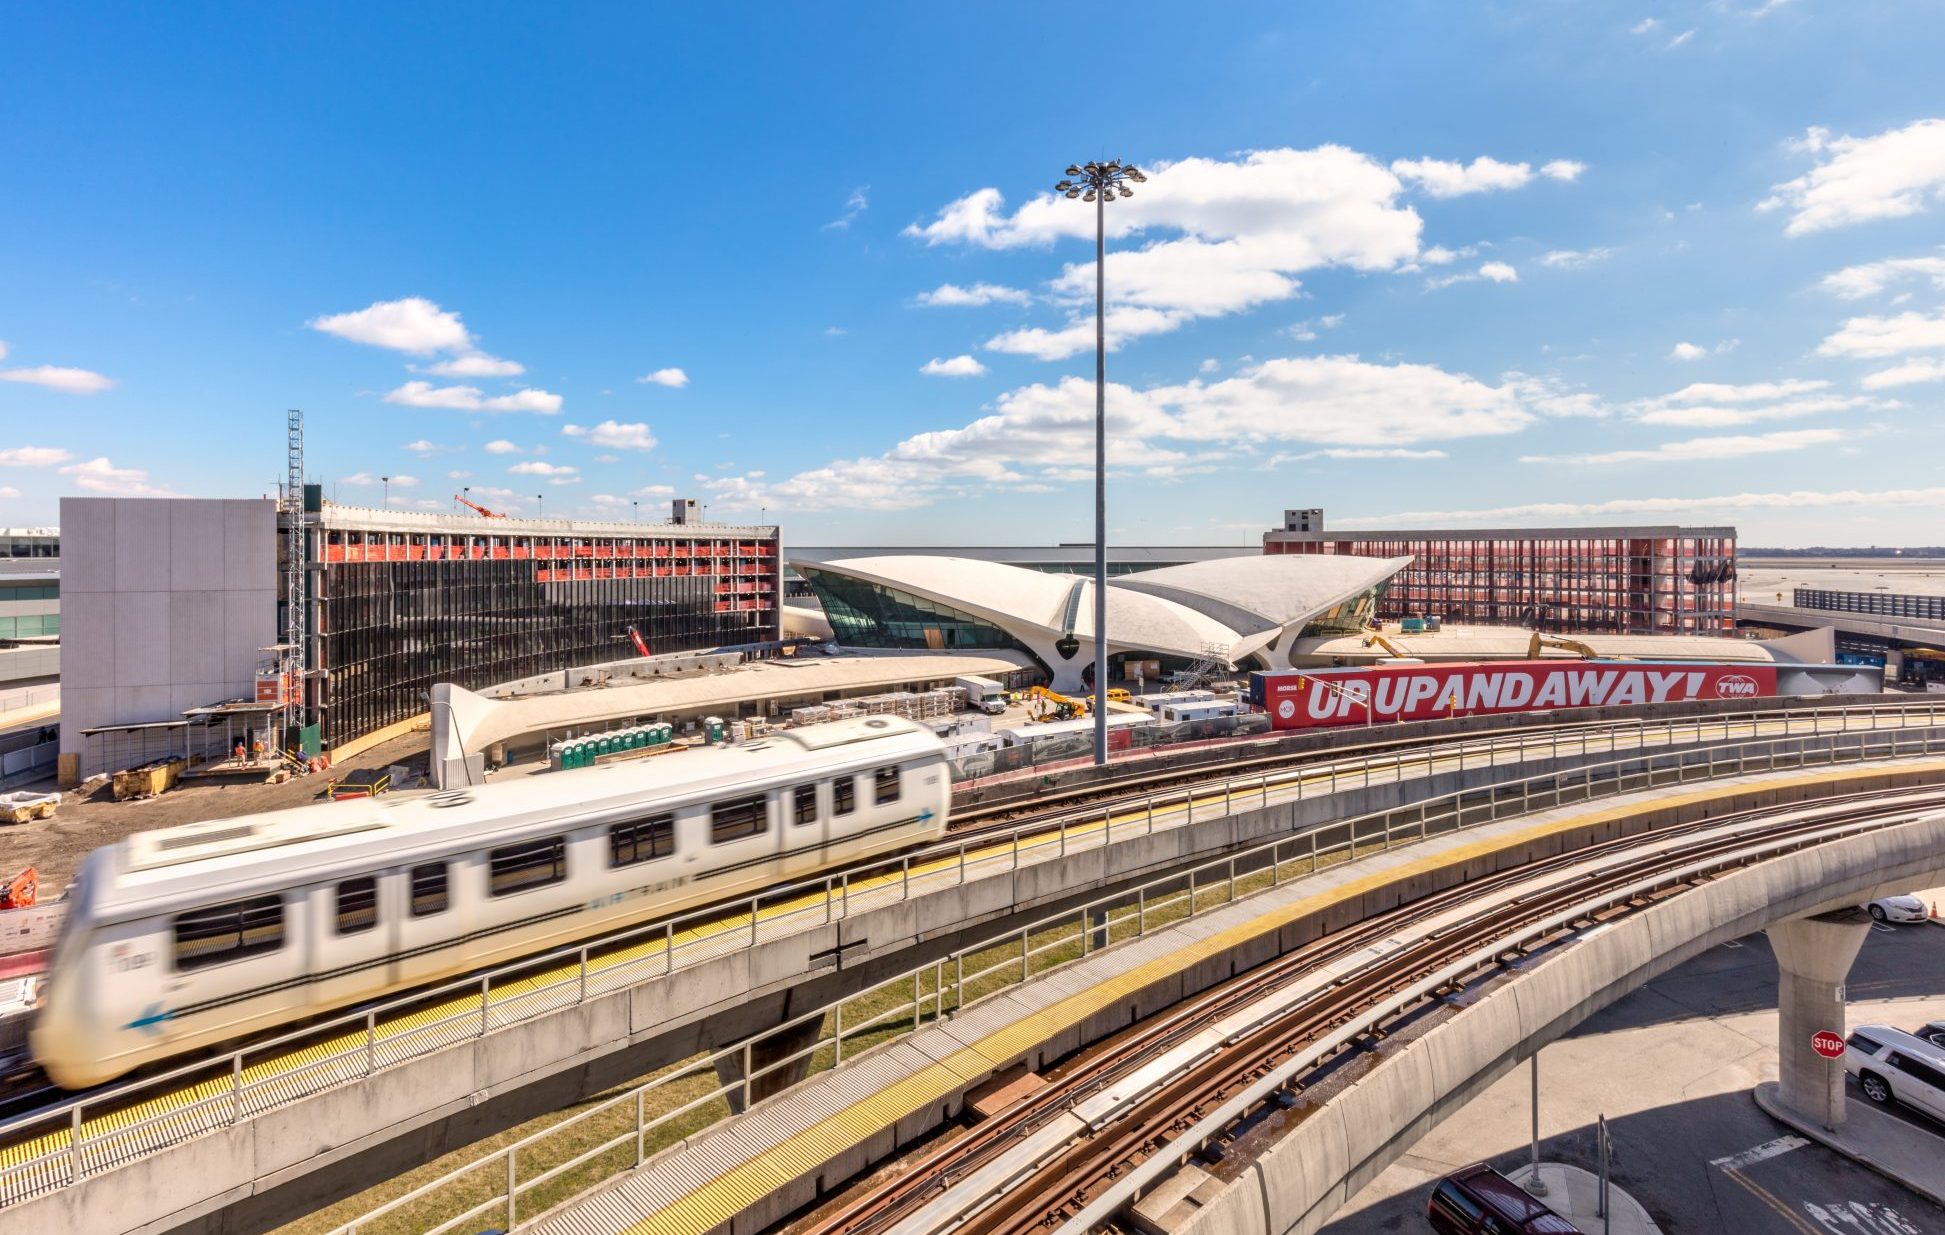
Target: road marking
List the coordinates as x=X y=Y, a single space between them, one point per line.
x=1750 y=1157
x=1770 y=1199
x=1847 y=1217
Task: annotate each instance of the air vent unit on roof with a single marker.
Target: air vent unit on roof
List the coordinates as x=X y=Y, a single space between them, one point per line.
x=456 y=797
x=206 y=838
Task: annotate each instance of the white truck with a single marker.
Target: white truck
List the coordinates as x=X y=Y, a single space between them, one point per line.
x=983 y=694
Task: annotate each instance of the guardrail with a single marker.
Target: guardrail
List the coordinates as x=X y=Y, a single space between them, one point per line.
x=207 y=1095
x=946 y=986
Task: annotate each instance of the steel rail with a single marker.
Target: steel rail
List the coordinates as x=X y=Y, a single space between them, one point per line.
x=941 y=1168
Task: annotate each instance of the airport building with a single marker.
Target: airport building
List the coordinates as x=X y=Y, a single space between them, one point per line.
x=30 y=614
x=176 y=605
x=1243 y=611
x=1656 y=580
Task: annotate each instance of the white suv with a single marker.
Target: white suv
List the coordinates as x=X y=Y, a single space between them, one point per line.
x=1890 y=1064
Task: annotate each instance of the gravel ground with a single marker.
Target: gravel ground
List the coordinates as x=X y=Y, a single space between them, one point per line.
x=56 y=845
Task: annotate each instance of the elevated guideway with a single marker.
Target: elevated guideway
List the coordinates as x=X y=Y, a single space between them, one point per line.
x=1586 y=899
x=264 y=1133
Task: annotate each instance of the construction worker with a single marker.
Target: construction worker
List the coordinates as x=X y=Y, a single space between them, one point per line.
x=256 y=749
x=239 y=749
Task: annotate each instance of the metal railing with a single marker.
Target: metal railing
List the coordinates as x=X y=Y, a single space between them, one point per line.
x=963 y=979
x=67 y=1143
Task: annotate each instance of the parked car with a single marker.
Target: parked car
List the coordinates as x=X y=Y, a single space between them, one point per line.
x=1894 y=1066
x=1898 y=909
x=1477 y=1200
x=1932 y=1032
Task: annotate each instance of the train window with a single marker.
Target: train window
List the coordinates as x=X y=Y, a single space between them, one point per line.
x=643 y=840
x=844 y=795
x=429 y=895
x=806 y=807
x=229 y=932
x=884 y=786
x=357 y=905
x=738 y=820
x=530 y=864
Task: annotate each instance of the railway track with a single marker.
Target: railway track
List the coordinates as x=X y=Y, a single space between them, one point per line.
x=1062 y=1182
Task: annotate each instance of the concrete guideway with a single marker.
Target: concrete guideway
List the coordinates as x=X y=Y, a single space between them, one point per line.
x=587 y=1006
x=855 y=1114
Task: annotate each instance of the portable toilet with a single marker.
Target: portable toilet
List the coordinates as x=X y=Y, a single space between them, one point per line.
x=713 y=730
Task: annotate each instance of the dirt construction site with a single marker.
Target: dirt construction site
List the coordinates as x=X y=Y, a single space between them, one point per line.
x=87 y=820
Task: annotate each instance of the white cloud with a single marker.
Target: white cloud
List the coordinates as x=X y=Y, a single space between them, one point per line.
x=1765 y=9
x=54 y=377
x=655 y=491
x=33 y=456
x=1687 y=351
x=459 y=474
x=500 y=446
x=426 y=450
x=8 y=491
x=564 y=480
x=534 y=467
x=1697 y=448
x=1646 y=25
x=1353 y=452
x=1873 y=337
x=98 y=475
x=1720 y=392
x=1562 y=169
x=1716 y=416
x=674 y=379
x=373 y=478
x=1861 y=179
x=476 y=364
x=405 y=482
x=1870 y=278
x=614 y=435
x=1543 y=512
x=1908 y=374
x=1439 y=255
x=472 y=399
x=958 y=366
x=414 y=325
x=1491 y=272
x=1222 y=236
x=1444 y=179
x=1574 y=259
x=494 y=491
x=1682 y=38
x=1041 y=435
x=856 y=204
x=951 y=295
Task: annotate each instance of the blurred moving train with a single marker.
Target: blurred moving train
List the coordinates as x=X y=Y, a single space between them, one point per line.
x=191 y=936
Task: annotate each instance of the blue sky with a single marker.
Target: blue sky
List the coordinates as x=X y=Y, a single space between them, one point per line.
x=1476 y=264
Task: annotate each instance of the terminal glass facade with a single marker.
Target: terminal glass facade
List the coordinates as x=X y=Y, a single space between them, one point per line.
x=394 y=611
x=1646 y=580
x=868 y=615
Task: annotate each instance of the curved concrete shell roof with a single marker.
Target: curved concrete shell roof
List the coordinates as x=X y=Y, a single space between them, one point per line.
x=1235 y=606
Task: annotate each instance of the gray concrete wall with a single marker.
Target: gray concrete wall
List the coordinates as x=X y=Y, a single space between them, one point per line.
x=315 y=1151
x=1330 y=1156
x=164 y=605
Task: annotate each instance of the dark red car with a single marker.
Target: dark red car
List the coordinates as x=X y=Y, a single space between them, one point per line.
x=1477 y=1200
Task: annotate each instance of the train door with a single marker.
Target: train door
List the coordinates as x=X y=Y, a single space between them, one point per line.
x=351 y=938
x=805 y=813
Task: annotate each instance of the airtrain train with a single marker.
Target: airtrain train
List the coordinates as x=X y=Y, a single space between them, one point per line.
x=191 y=936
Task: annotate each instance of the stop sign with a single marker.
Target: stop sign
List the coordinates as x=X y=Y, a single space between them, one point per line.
x=1827 y=1044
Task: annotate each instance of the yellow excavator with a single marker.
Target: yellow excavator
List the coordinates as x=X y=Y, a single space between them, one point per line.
x=1539 y=641
x=1044 y=704
x=1372 y=636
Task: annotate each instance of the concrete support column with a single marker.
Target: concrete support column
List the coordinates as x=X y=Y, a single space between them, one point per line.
x=1813 y=956
x=779 y=1044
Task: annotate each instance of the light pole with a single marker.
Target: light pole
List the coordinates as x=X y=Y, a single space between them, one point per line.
x=540 y=505
x=387 y=482
x=1100 y=183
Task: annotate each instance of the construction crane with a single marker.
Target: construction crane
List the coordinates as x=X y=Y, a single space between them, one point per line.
x=1539 y=641
x=1044 y=704
x=478 y=509
x=1372 y=636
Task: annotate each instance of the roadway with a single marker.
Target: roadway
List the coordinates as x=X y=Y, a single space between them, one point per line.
x=1671 y=1066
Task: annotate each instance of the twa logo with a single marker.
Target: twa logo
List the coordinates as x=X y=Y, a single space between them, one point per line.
x=1735 y=686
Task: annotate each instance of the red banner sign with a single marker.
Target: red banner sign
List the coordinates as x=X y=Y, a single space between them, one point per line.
x=1309 y=699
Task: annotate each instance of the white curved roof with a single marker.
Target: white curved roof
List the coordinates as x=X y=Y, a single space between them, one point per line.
x=1238 y=604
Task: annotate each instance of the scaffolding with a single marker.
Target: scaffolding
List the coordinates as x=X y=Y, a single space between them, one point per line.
x=290 y=654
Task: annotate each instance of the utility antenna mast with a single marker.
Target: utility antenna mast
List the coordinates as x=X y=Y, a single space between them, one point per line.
x=296 y=610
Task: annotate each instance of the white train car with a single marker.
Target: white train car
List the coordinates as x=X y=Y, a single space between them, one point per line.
x=183 y=938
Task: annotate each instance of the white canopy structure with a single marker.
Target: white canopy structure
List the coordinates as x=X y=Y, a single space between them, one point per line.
x=1237 y=611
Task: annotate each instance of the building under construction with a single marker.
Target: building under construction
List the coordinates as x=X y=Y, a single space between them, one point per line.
x=177 y=606
x=1656 y=580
